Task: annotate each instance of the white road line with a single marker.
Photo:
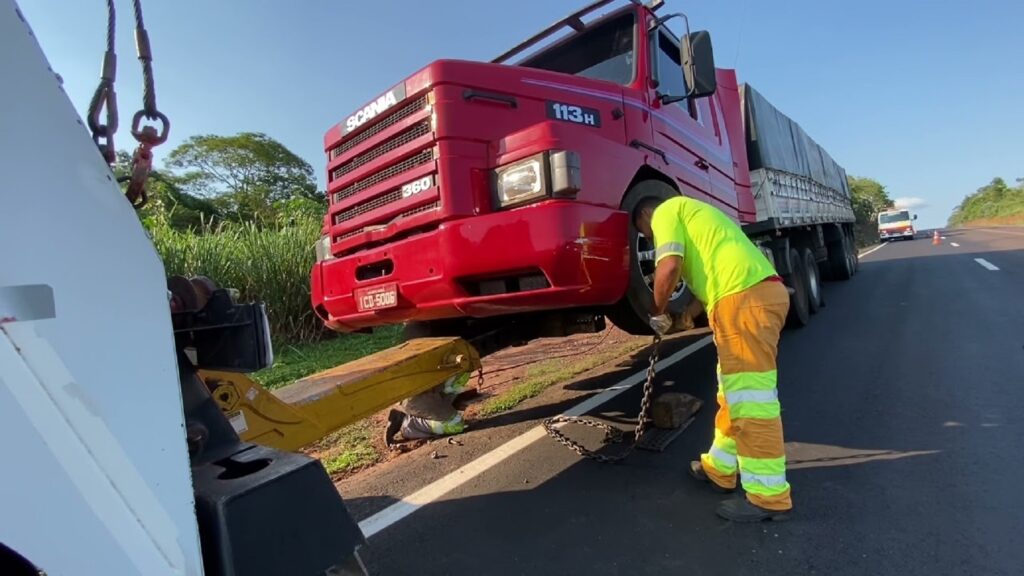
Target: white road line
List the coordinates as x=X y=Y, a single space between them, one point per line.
x=870 y=250
x=954 y=244
x=942 y=237
x=986 y=264
x=453 y=480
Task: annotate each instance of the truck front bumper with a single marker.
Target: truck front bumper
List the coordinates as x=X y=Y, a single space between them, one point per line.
x=552 y=255
x=893 y=234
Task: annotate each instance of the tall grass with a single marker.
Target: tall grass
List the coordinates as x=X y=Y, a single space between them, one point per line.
x=267 y=264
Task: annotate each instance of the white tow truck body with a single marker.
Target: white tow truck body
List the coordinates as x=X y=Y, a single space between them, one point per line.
x=96 y=471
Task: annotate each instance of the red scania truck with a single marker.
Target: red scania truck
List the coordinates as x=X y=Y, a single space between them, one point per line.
x=478 y=192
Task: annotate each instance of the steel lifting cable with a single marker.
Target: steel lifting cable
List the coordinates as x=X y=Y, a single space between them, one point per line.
x=611 y=433
x=105 y=97
x=149 y=109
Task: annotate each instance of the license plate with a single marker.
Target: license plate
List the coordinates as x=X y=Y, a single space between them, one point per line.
x=377 y=297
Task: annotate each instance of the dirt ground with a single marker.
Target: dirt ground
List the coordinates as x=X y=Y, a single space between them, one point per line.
x=503 y=371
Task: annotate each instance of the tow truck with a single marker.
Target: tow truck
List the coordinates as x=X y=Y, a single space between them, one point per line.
x=135 y=444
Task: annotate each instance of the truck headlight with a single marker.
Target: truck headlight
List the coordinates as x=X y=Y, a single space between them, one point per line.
x=521 y=181
x=323 y=249
x=549 y=174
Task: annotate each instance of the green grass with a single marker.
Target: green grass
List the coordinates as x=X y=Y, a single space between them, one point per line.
x=295 y=361
x=264 y=264
x=543 y=374
x=348 y=449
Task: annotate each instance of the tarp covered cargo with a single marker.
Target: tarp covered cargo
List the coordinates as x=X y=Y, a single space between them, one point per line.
x=776 y=142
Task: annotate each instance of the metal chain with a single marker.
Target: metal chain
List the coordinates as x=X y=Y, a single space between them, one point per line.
x=611 y=433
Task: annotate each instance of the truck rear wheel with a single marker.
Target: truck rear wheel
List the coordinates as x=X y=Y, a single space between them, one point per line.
x=815 y=298
x=799 y=307
x=631 y=313
x=854 y=259
x=840 y=263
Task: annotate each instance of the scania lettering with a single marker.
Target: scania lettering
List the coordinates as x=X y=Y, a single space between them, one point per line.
x=387 y=100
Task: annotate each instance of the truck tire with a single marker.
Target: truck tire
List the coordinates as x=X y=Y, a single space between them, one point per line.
x=854 y=258
x=632 y=312
x=840 y=264
x=799 y=307
x=815 y=297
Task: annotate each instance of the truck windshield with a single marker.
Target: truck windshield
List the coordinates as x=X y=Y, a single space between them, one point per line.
x=891 y=217
x=604 y=52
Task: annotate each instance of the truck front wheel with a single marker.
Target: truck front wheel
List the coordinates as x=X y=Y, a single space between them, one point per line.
x=632 y=312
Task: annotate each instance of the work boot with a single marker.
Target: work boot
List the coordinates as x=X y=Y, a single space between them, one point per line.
x=697 y=471
x=742 y=510
x=395 y=419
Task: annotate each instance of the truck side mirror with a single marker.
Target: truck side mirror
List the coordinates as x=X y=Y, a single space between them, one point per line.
x=915 y=216
x=698 y=61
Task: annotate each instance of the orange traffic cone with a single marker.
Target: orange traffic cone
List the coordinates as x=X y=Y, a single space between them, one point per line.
x=935 y=238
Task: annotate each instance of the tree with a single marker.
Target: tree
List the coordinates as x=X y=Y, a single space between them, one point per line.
x=869 y=198
x=247 y=175
x=995 y=202
x=167 y=202
x=871 y=192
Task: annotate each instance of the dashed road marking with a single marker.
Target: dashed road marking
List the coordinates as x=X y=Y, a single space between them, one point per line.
x=954 y=244
x=986 y=264
x=453 y=480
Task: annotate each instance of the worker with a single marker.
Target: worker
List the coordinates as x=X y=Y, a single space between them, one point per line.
x=429 y=414
x=747 y=304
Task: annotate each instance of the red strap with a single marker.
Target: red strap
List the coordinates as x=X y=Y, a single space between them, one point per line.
x=775 y=278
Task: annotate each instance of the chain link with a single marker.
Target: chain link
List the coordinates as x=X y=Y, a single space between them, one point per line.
x=611 y=433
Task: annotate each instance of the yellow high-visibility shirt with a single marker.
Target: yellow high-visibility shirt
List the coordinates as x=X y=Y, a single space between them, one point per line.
x=718 y=258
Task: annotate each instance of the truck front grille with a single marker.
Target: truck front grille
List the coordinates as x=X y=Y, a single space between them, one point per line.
x=409 y=163
x=366 y=207
x=435 y=205
x=392 y=119
x=417 y=131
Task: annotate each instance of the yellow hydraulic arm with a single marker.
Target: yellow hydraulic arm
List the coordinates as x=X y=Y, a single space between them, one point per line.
x=301 y=413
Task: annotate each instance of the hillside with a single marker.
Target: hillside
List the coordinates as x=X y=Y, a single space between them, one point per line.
x=995 y=203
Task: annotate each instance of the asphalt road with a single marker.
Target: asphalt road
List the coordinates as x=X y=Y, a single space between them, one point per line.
x=902 y=405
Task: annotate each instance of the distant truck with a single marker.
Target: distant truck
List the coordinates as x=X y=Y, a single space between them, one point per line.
x=471 y=195
x=894 y=224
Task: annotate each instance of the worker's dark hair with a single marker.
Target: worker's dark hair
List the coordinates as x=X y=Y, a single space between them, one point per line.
x=646 y=204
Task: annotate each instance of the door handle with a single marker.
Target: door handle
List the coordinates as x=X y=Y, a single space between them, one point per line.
x=700 y=163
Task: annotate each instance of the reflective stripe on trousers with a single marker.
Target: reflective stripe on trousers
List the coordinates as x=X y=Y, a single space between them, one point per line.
x=414 y=427
x=748 y=426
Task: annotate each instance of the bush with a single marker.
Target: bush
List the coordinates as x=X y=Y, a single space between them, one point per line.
x=996 y=202
x=267 y=264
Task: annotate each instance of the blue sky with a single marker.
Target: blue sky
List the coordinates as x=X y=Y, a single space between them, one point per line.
x=924 y=96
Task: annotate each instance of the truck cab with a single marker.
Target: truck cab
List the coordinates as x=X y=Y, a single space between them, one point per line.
x=476 y=190
x=893 y=224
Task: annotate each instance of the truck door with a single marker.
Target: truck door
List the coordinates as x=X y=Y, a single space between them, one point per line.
x=689 y=131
